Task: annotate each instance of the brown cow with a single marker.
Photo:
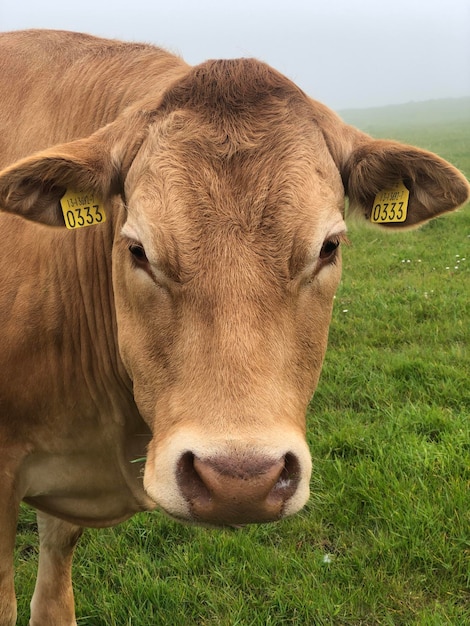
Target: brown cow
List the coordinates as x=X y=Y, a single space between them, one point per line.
x=188 y=324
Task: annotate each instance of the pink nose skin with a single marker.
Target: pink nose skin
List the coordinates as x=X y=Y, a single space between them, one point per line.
x=233 y=490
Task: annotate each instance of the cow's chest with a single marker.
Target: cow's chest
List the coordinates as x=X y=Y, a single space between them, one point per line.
x=95 y=485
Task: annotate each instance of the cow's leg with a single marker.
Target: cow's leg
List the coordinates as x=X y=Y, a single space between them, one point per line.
x=10 y=461
x=8 y=519
x=52 y=602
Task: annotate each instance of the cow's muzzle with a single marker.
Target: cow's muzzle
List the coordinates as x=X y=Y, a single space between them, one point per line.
x=237 y=489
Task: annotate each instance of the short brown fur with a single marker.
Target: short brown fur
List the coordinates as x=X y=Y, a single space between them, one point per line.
x=190 y=327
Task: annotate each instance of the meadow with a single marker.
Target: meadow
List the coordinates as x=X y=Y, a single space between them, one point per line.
x=385 y=538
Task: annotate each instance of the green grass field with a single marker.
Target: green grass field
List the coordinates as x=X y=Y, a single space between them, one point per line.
x=385 y=538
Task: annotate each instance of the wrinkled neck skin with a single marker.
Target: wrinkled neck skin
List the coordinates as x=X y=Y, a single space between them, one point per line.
x=86 y=429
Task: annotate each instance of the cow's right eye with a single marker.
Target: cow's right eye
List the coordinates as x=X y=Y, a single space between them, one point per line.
x=138 y=253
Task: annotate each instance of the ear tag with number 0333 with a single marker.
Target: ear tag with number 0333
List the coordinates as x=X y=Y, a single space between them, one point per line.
x=391 y=205
x=82 y=209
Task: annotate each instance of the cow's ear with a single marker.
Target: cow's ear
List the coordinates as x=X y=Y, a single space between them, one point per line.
x=374 y=166
x=98 y=164
x=33 y=187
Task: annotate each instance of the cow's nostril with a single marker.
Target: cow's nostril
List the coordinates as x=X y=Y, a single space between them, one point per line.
x=237 y=488
x=189 y=481
x=289 y=478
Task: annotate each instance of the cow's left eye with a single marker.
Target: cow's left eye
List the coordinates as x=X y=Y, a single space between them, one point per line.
x=329 y=248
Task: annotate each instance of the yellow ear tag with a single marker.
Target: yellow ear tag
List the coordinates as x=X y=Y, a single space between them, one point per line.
x=391 y=205
x=82 y=209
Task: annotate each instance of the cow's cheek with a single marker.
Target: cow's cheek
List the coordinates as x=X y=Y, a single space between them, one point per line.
x=312 y=322
x=146 y=327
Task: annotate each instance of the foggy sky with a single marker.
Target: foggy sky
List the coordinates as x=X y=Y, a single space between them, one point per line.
x=346 y=53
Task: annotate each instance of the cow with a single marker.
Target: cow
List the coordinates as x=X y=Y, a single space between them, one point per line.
x=171 y=251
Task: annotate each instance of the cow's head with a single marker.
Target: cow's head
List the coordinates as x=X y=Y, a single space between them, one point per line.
x=225 y=262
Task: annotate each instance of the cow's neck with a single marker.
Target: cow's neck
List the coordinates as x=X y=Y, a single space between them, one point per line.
x=70 y=385
x=61 y=304
x=91 y=319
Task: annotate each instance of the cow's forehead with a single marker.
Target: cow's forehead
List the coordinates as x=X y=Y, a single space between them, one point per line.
x=186 y=168
x=189 y=204
x=196 y=208
x=229 y=89
x=234 y=150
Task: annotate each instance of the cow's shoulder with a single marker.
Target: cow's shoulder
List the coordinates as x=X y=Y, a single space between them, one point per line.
x=71 y=43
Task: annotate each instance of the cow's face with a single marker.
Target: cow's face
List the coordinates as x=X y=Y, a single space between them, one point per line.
x=225 y=264
x=224 y=276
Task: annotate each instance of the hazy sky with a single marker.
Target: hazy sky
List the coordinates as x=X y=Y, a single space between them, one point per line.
x=347 y=53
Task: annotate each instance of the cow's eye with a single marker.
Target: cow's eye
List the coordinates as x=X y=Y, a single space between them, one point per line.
x=138 y=253
x=329 y=248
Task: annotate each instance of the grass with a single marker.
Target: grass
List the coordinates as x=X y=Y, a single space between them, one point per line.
x=385 y=538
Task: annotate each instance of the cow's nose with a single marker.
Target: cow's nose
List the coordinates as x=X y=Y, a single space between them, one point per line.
x=237 y=490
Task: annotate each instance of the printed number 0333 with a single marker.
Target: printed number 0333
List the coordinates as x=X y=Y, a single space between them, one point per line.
x=83 y=216
x=388 y=212
x=81 y=210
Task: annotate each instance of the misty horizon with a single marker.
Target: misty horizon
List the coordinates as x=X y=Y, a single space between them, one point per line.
x=352 y=54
